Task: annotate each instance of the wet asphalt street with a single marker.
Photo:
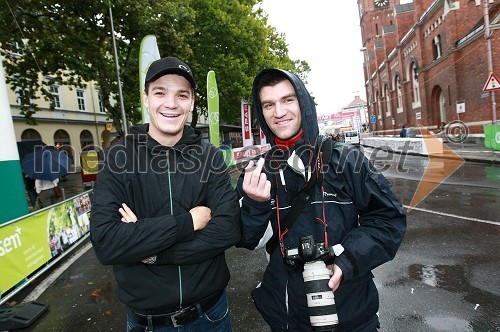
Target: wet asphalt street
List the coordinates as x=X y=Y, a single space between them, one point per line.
x=445 y=277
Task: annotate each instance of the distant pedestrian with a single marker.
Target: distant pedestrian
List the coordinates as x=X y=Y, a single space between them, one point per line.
x=29 y=185
x=402 y=133
x=48 y=192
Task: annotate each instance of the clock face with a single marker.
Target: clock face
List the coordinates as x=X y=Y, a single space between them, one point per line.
x=381 y=3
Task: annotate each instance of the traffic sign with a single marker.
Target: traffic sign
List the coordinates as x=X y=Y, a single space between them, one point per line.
x=373 y=119
x=492 y=83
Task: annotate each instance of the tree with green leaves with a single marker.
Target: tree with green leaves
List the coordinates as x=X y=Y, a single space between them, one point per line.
x=70 y=43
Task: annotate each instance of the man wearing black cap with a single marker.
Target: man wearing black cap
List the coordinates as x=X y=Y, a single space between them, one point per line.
x=164 y=212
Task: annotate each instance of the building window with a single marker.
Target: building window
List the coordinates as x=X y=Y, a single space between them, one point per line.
x=61 y=137
x=387 y=100
x=437 y=47
x=379 y=105
x=86 y=138
x=30 y=135
x=399 y=93
x=102 y=109
x=80 y=98
x=56 y=99
x=414 y=73
x=62 y=141
x=23 y=97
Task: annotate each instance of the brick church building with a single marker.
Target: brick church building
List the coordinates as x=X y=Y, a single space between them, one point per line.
x=426 y=59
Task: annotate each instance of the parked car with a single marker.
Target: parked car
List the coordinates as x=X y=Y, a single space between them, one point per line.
x=351 y=137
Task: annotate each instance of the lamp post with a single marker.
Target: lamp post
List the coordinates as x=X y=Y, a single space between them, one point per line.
x=360 y=118
x=124 y=118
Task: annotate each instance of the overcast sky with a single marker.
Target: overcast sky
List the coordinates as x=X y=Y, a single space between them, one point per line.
x=326 y=34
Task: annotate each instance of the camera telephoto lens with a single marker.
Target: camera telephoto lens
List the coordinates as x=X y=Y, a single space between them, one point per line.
x=320 y=298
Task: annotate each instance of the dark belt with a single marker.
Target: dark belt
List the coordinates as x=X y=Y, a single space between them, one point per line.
x=177 y=318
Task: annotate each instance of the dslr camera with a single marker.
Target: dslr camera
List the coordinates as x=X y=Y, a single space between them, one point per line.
x=320 y=299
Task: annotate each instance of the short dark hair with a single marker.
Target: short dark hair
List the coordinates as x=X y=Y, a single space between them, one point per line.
x=270 y=78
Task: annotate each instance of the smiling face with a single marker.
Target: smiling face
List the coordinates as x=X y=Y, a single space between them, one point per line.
x=169 y=100
x=281 y=109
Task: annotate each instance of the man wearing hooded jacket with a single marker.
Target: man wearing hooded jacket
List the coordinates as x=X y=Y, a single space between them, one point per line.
x=164 y=212
x=351 y=206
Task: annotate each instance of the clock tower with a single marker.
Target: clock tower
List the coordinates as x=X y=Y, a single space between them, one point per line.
x=376 y=22
x=380 y=3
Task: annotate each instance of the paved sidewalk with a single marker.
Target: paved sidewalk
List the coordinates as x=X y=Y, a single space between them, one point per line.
x=473 y=152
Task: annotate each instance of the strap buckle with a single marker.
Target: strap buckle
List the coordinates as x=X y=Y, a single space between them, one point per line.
x=174 y=318
x=178 y=317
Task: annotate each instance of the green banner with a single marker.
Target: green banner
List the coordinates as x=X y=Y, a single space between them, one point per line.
x=492 y=137
x=213 y=108
x=13 y=203
x=28 y=243
x=148 y=53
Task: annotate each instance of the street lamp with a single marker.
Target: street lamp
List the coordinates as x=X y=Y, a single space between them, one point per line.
x=360 y=118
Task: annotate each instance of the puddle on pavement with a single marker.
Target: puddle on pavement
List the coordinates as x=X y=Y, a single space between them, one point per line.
x=441 y=276
x=448 y=323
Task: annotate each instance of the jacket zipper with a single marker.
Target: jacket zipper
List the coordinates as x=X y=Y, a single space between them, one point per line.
x=171 y=213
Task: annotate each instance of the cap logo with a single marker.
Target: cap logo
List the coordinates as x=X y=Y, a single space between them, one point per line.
x=184 y=68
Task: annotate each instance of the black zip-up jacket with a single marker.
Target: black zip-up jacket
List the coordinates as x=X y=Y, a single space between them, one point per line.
x=357 y=205
x=161 y=184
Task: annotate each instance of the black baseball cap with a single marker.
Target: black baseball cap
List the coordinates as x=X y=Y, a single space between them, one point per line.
x=169 y=65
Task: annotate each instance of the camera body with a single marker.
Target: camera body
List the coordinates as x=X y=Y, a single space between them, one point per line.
x=320 y=298
x=308 y=251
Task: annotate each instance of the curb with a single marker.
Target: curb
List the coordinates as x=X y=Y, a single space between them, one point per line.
x=487 y=160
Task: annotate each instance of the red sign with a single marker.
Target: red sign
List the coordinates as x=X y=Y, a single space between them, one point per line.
x=249 y=152
x=246 y=121
x=492 y=83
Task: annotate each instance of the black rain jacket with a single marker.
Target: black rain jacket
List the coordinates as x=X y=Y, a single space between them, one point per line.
x=361 y=212
x=161 y=184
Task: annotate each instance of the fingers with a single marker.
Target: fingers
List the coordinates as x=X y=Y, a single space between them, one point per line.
x=335 y=280
x=127 y=214
x=255 y=183
x=253 y=171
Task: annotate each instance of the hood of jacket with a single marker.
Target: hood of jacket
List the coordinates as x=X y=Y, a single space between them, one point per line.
x=139 y=134
x=306 y=103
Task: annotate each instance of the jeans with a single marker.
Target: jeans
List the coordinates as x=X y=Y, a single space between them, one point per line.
x=216 y=319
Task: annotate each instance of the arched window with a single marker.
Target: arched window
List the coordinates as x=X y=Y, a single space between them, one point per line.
x=387 y=100
x=437 y=47
x=414 y=74
x=379 y=104
x=86 y=138
x=61 y=137
x=62 y=141
x=399 y=93
x=30 y=135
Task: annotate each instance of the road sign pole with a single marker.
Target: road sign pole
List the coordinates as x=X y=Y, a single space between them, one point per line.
x=487 y=34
